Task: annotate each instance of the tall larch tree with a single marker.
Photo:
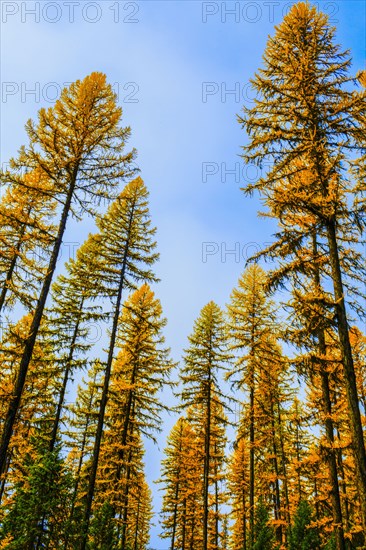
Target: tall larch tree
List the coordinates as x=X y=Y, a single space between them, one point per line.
x=310 y=325
x=238 y=485
x=140 y=372
x=117 y=258
x=82 y=419
x=348 y=479
x=110 y=524
x=218 y=474
x=300 y=441
x=204 y=359
x=140 y=515
x=172 y=478
x=251 y=320
x=78 y=145
x=271 y=413
x=217 y=497
x=181 y=479
x=306 y=119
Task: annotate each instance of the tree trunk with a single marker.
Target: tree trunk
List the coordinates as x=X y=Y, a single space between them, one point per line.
x=184 y=526
x=135 y=547
x=317 y=511
x=346 y=513
x=244 y=522
x=277 y=497
x=206 y=467
x=330 y=456
x=31 y=339
x=216 y=506
x=78 y=472
x=129 y=414
x=177 y=488
x=251 y=470
x=65 y=380
x=332 y=463
x=284 y=470
x=299 y=485
x=103 y=402
x=358 y=443
x=9 y=275
x=193 y=527
x=3 y=478
x=125 y=502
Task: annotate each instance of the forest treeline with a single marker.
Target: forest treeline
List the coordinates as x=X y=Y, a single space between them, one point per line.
x=284 y=371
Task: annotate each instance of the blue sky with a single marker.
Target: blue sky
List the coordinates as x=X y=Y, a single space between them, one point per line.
x=173 y=64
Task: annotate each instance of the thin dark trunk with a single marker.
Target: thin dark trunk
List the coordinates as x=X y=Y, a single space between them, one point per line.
x=104 y=398
x=244 y=522
x=33 y=332
x=317 y=511
x=358 y=443
x=284 y=470
x=137 y=525
x=216 y=507
x=184 y=526
x=193 y=523
x=299 y=486
x=177 y=488
x=9 y=275
x=277 y=498
x=346 y=513
x=126 y=495
x=175 y=515
x=330 y=456
x=251 y=468
x=65 y=381
x=119 y=525
x=76 y=487
x=78 y=473
x=332 y=463
x=3 y=479
x=129 y=414
x=127 y=431
x=206 y=467
x=128 y=474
